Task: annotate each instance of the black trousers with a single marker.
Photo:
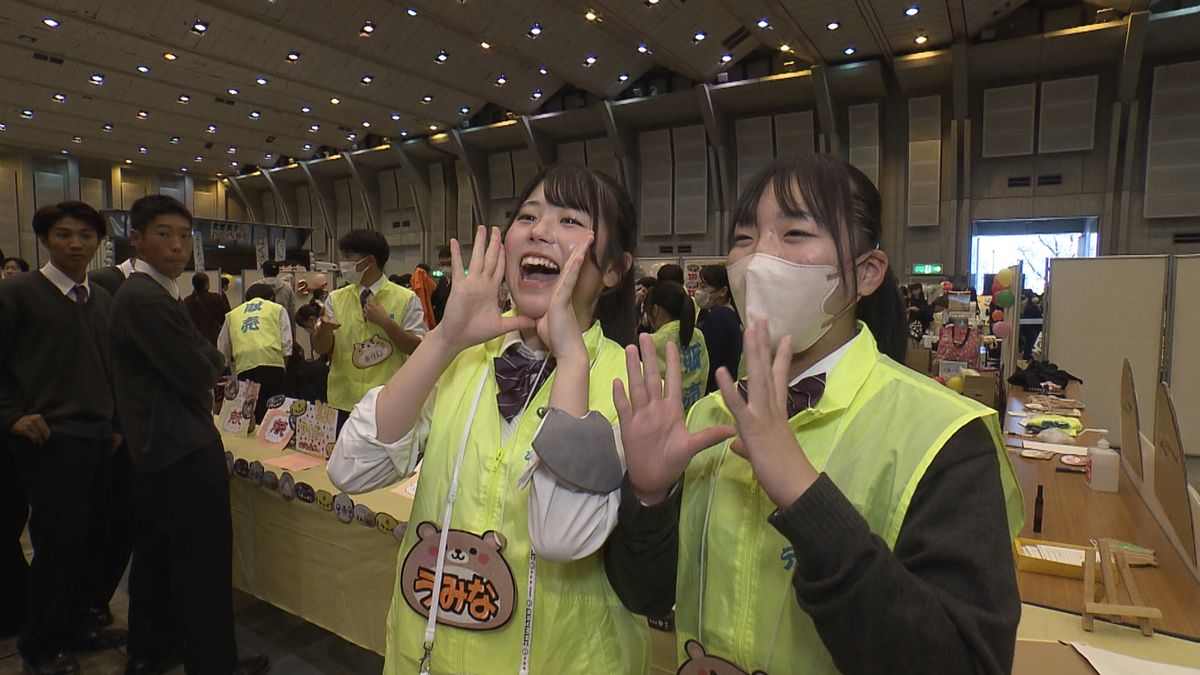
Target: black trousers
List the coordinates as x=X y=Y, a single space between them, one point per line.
x=114 y=554
x=181 y=583
x=67 y=481
x=14 y=571
x=271 y=380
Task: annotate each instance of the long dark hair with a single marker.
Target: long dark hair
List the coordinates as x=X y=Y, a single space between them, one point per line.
x=843 y=201
x=675 y=301
x=569 y=186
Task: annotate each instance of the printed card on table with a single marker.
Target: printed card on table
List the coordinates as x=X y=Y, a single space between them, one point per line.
x=316 y=430
x=238 y=412
x=278 y=425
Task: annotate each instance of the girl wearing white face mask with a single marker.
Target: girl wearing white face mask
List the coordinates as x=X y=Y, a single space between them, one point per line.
x=861 y=519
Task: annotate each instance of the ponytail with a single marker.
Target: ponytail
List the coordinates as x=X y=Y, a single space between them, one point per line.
x=883 y=312
x=675 y=301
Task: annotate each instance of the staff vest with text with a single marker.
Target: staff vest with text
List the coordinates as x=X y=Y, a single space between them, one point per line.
x=363 y=355
x=255 y=335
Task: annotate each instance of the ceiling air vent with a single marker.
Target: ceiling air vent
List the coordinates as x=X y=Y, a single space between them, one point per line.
x=1186 y=237
x=1019 y=181
x=1055 y=179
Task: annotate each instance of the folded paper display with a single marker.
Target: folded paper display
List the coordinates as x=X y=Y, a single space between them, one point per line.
x=581 y=452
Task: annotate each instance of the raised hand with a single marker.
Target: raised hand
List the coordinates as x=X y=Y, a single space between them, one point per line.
x=658 y=445
x=471 y=315
x=559 y=328
x=764 y=436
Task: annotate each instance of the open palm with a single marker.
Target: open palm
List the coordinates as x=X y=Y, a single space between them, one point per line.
x=472 y=315
x=658 y=445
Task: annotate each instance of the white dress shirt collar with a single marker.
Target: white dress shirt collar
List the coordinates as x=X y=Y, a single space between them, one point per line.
x=162 y=279
x=126 y=267
x=63 y=282
x=827 y=364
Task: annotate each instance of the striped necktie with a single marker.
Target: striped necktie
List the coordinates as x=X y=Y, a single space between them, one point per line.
x=803 y=395
x=516 y=376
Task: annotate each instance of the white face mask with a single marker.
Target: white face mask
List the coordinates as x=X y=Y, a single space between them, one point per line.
x=791 y=297
x=702 y=298
x=350 y=271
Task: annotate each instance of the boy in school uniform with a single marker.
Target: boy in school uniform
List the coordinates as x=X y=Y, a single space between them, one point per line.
x=181 y=595
x=58 y=415
x=257 y=340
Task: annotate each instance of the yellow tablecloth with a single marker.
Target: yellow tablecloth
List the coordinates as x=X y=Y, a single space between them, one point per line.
x=301 y=558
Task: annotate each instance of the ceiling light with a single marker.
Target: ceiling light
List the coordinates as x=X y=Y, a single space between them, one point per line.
x=269 y=156
x=234 y=164
x=169 y=56
x=261 y=80
x=433 y=127
x=335 y=100
x=411 y=11
x=623 y=77
x=464 y=110
x=591 y=15
x=183 y=169
x=537 y=93
x=314 y=127
x=912 y=11
x=543 y=71
x=441 y=56
x=307 y=146
x=535 y=30
x=403 y=133
x=366 y=124
x=833 y=25
x=232 y=91
x=485 y=45
x=200 y=27
x=293 y=57
x=395 y=117
x=96 y=78
x=254 y=114
x=651 y=3
x=429 y=99
x=129 y=161
x=352 y=136
x=212 y=128
x=77 y=139
x=589 y=60
x=51 y=22
x=849 y=51
x=174 y=140
x=642 y=48
x=107 y=127
x=183 y=98
x=3 y=126
x=197 y=158
x=143 y=150
x=367 y=28
x=366 y=79
x=921 y=39
x=500 y=82
x=232 y=150
x=59 y=97
x=64 y=151
x=305 y=109
x=142 y=114
x=785 y=48
x=699 y=36
x=763 y=23
x=143 y=69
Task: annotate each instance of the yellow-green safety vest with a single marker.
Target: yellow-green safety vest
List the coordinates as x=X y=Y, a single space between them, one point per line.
x=363 y=355
x=579 y=624
x=694 y=359
x=255 y=335
x=875 y=431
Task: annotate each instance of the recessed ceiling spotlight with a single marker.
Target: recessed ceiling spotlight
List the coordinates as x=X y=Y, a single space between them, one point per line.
x=849 y=51
x=485 y=45
x=174 y=140
x=184 y=99
x=77 y=139
x=543 y=71
x=534 y=30
x=500 y=82
x=307 y=146
x=366 y=124
x=335 y=100
x=651 y=3
x=442 y=56
x=107 y=127
x=197 y=158
x=642 y=48
x=64 y=151
x=27 y=113
x=785 y=48
x=261 y=80
x=726 y=58
x=183 y=169
x=143 y=150
x=465 y=110
x=200 y=27
x=352 y=136
x=232 y=150
x=96 y=78
x=269 y=156
x=921 y=39
x=395 y=117
x=833 y=25
x=537 y=93
x=412 y=11
x=212 y=128
x=912 y=11
x=129 y=161
x=403 y=133
x=589 y=60
x=433 y=127
x=366 y=79
x=623 y=77
x=293 y=57
x=367 y=28
x=314 y=127
x=764 y=23
x=143 y=69
x=51 y=22
x=426 y=99
x=699 y=36
x=3 y=126
x=305 y=109
x=169 y=56
x=254 y=114
x=234 y=164
x=59 y=97
x=232 y=91
x=142 y=114
x=591 y=15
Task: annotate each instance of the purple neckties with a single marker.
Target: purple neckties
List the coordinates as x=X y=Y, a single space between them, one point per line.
x=802 y=395
x=516 y=376
x=81 y=294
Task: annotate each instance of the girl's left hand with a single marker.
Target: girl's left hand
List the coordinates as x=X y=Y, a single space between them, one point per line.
x=764 y=436
x=559 y=329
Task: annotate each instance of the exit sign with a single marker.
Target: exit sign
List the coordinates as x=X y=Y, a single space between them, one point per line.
x=927 y=268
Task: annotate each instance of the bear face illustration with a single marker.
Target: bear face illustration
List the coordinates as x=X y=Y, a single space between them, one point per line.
x=287 y=487
x=477 y=592
x=363 y=515
x=241 y=467
x=373 y=351
x=325 y=501
x=276 y=401
x=700 y=663
x=306 y=493
x=385 y=523
x=343 y=507
x=256 y=473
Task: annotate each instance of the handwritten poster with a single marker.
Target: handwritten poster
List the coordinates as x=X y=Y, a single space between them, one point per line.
x=237 y=414
x=316 y=430
x=277 y=426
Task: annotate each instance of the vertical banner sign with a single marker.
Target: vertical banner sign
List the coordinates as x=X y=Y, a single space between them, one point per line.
x=281 y=247
x=261 y=246
x=198 y=249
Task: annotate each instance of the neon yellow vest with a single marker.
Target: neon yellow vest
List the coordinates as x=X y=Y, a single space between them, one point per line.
x=255 y=335
x=363 y=356
x=874 y=432
x=694 y=357
x=579 y=624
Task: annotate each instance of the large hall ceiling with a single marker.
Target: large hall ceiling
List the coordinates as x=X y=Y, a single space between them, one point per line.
x=247 y=40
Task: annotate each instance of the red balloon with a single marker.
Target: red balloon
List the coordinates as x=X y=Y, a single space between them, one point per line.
x=998 y=315
x=946 y=285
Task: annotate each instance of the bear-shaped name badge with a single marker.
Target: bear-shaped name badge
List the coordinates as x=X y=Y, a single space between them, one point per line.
x=306 y=493
x=287 y=487
x=270 y=481
x=241 y=467
x=478 y=590
x=343 y=506
x=325 y=501
x=256 y=473
x=700 y=662
x=364 y=516
x=372 y=352
x=385 y=523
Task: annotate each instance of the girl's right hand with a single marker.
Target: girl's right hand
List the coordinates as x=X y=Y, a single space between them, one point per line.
x=472 y=315
x=658 y=445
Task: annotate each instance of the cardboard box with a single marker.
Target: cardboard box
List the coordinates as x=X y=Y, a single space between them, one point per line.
x=919 y=359
x=984 y=387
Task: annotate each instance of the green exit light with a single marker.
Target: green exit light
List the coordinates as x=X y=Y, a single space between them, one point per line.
x=927 y=268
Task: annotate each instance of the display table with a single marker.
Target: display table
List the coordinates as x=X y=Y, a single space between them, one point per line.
x=301 y=558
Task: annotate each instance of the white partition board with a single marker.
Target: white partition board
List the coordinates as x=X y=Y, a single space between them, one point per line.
x=1101 y=312
x=1185 y=352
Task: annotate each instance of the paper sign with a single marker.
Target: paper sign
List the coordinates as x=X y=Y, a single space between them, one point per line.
x=238 y=412
x=294 y=461
x=316 y=430
x=277 y=426
x=281 y=249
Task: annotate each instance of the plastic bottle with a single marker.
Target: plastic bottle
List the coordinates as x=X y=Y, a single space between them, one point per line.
x=1103 y=467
